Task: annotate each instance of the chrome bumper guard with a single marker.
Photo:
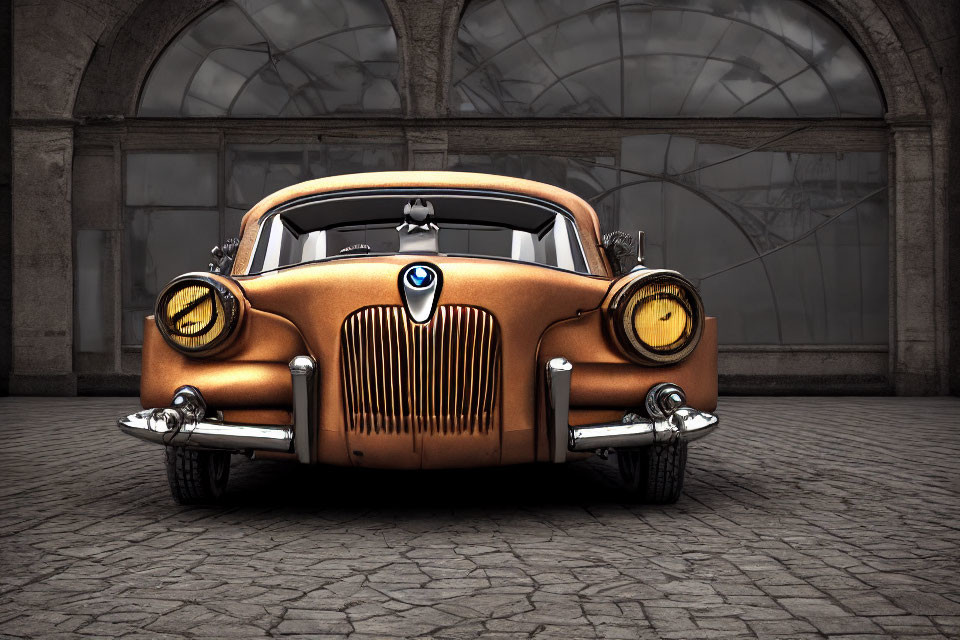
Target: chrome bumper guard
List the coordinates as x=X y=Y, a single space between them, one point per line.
x=668 y=419
x=186 y=423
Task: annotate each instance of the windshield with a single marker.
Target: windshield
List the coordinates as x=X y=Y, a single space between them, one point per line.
x=455 y=224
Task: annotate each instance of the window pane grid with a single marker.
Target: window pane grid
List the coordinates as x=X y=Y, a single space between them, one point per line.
x=787 y=241
x=180 y=204
x=282 y=58
x=786 y=247
x=658 y=58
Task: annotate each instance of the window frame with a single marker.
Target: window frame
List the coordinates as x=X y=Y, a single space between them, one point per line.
x=399 y=80
x=210 y=135
x=561 y=137
x=575 y=138
x=450 y=109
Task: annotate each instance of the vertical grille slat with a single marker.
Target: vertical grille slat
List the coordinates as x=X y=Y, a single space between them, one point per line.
x=436 y=378
x=456 y=370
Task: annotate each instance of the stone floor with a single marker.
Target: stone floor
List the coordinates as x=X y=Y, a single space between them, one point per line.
x=802 y=518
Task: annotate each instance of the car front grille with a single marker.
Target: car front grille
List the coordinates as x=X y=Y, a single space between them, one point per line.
x=441 y=377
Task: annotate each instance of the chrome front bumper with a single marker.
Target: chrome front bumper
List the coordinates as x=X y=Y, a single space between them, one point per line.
x=668 y=419
x=186 y=423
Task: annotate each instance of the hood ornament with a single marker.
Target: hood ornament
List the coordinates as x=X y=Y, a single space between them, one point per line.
x=419 y=288
x=417 y=233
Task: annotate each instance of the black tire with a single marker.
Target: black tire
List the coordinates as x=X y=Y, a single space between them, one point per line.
x=197 y=477
x=654 y=474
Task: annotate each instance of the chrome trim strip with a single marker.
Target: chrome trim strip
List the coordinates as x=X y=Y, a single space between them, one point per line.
x=686 y=423
x=668 y=419
x=612 y=435
x=155 y=425
x=303 y=373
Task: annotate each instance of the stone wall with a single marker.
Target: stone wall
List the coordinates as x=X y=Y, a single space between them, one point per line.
x=6 y=158
x=940 y=22
x=938 y=25
x=79 y=67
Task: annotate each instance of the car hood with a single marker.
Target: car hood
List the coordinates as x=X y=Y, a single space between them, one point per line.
x=526 y=298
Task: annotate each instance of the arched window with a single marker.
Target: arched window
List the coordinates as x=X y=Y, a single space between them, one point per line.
x=658 y=58
x=279 y=58
x=781 y=223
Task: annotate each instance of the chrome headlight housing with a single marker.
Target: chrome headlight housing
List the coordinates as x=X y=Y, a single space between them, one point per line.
x=197 y=313
x=656 y=317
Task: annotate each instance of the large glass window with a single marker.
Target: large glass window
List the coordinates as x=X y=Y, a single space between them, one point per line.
x=259 y=58
x=581 y=175
x=170 y=223
x=257 y=170
x=658 y=58
x=785 y=234
x=279 y=58
x=786 y=247
x=175 y=213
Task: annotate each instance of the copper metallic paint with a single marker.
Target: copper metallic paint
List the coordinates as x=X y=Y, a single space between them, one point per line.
x=251 y=371
x=541 y=312
x=600 y=379
x=258 y=416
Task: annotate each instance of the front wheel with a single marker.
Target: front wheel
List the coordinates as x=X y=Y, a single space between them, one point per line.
x=197 y=477
x=654 y=474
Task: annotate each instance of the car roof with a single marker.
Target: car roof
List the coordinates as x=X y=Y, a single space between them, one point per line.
x=583 y=214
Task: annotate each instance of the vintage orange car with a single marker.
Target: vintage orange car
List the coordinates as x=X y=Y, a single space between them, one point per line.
x=423 y=320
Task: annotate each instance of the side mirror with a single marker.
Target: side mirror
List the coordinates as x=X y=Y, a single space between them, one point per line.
x=223 y=257
x=620 y=251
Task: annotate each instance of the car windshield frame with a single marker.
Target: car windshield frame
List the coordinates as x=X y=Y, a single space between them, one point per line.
x=581 y=262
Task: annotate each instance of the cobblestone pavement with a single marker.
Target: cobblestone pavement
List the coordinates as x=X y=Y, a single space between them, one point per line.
x=802 y=518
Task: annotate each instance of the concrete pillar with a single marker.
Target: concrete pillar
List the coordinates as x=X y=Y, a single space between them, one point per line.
x=916 y=366
x=42 y=262
x=423 y=66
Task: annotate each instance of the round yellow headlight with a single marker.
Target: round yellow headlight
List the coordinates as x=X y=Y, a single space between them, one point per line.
x=657 y=318
x=662 y=317
x=195 y=313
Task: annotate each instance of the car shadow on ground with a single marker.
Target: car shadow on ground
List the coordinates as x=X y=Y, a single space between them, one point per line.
x=274 y=484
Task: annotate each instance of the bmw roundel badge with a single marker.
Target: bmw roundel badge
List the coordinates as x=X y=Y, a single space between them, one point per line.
x=420 y=277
